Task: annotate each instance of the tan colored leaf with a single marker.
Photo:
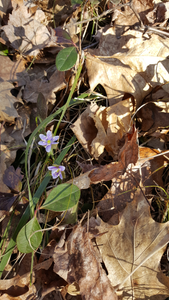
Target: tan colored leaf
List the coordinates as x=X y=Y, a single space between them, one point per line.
x=10 y=69
x=130 y=64
x=8 y=112
x=116 y=79
x=128 y=18
x=109 y=126
x=84 y=128
x=26 y=31
x=132 y=252
x=158 y=161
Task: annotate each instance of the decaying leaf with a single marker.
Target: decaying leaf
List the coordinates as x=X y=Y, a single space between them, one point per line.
x=8 y=112
x=10 y=69
x=127 y=155
x=83 y=266
x=37 y=83
x=131 y=64
x=12 y=178
x=153 y=115
x=132 y=251
x=26 y=31
x=17 y=287
x=6 y=156
x=100 y=128
x=122 y=191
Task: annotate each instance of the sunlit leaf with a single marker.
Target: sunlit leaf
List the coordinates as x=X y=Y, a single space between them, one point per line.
x=66 y=59
x=26 y=237
x=63 y=197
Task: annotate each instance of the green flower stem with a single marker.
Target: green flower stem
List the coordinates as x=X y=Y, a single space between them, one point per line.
x=70 y=97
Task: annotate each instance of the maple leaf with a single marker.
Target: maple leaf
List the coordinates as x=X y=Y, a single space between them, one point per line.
x=132 y=251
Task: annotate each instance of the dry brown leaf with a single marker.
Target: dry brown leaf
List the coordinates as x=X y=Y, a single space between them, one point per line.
x=109 y=126
x=128 y=18
x=7 y=156
x=136 y=67
x=10 y=69
x=152 y=116
x=127 y=155
x=157 y=162
x=40 y=84
x=18 y=281
x=82 y=264
x=132 y=252
x=122 y=191
x=26 y=31
x=8 y=112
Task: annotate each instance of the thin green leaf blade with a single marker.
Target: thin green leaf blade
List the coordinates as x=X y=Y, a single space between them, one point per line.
x=66 y=59
x=63 y=197
x=26 y=234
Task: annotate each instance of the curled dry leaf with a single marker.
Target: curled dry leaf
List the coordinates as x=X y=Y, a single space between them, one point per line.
x=100 y=128
x=153 y=115
x=132 y=251
x=127 y=155
x=17 y=287
x=83 y=266
x=158 y=161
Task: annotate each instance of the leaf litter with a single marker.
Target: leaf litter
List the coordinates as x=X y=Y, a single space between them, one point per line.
x=116 y=253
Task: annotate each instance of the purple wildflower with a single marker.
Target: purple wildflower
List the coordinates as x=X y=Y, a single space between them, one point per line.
x=48 y=140
x=56 y=171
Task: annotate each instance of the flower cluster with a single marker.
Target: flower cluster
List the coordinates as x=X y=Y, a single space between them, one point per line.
x=47 y=141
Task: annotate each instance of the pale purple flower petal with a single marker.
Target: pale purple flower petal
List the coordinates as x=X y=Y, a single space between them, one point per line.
x=49 y=135
x=48 y=148
x=42 y=137
x=42 y=143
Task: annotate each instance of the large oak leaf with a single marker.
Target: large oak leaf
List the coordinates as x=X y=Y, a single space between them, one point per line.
x=132 y=251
